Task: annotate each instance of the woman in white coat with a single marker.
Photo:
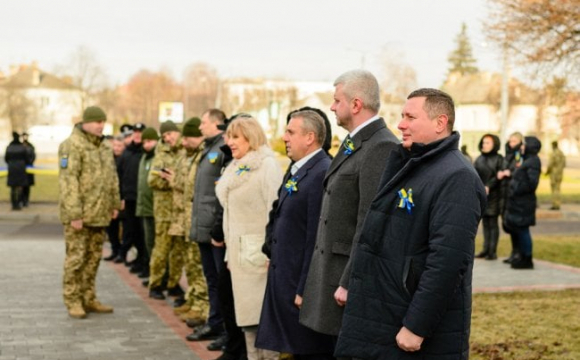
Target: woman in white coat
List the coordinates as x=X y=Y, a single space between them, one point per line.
x=246 y=190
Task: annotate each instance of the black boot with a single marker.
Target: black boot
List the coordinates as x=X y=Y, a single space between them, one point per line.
x=523 y=262
x=481 y=255
x=156 y=293
x=175 y=291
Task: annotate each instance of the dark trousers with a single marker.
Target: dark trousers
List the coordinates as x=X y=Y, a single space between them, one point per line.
x=16 y=197
x=212 y=259
x=523 y=240
x=236 y=344
x=25 y=195
x=490 y=235
x=133 y=234
x=314 y=357
x=113 y=235
x=149 y=233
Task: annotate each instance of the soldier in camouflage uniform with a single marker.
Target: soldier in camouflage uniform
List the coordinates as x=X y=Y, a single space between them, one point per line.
x=556 y=165
x=89 y=198
x=163 y=164
x=196 y=306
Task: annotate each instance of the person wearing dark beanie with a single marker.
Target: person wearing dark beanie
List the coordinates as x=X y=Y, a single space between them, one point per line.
x=168 y=126
x=149 y=134
x=191 y=128
x=94 y=114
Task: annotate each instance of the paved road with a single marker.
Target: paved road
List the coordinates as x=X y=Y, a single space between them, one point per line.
x=34 y=324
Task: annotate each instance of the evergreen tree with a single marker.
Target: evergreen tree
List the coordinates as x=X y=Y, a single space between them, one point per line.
x=461 y=59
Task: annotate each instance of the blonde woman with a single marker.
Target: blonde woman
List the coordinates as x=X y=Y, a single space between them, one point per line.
x=246 y=190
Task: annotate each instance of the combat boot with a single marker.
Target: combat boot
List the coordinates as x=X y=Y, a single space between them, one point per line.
x=182 y=309
x=97 y=307
x=77 y=312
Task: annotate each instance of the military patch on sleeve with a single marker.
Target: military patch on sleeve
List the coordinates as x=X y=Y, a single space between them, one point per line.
x=64 y=162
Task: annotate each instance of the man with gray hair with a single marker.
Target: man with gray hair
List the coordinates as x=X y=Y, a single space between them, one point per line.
x=349 y=187
x=292 y=229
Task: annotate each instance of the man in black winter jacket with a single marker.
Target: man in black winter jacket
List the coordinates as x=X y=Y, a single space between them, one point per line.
x=410 y=288
x=132 y=227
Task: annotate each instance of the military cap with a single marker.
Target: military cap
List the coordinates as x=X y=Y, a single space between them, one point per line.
x=94 y=114
x=149 y=134
x=126 y=130
x=139 y=127
x=168 y=126
x=191 y=127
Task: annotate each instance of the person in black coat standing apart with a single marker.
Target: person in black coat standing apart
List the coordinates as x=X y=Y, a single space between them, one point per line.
x=487 y=165
x=349 y=186
x=410 y=288
x=16 y=158
x=294 y=224
x=520 y=211
x=31 y=158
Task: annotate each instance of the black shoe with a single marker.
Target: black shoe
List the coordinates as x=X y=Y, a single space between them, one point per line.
x=219 y=344
x=111 y=257
x=195 y=324
x=145 y=283
x=136 y=268
x=206 y=332
x=144 y=274
x=175 y=291
x=129 y=263
x=481 y=255
x=119 y=260
x=178 y=302
x=491 y=257
x=156 y=293
x=524 y=262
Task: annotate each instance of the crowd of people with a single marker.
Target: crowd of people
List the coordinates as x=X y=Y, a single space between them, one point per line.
x=367 y=254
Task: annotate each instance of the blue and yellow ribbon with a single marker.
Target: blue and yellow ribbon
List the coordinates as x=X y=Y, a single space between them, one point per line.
x=292 y=185
x=406 y=200
x=242 y=169
x=212 y=157
x=348 y=147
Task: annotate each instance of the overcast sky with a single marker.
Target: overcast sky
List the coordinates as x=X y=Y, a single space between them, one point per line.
x=298 y=39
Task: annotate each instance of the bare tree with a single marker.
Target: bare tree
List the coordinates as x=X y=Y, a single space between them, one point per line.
x=543 y=34
x=140 y=97
x=83 y=68
x=398 y=77
x=17 y=107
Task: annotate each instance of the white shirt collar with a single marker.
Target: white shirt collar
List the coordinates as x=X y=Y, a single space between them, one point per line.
x=361 y=126
x=298 y=164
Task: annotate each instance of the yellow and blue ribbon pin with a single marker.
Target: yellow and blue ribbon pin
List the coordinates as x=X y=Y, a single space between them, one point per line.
x=406 y=200
x=242 y=169
x=292 y=185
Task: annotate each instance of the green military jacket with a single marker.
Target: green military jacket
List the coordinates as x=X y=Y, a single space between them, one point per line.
x=144 y=193
x=165 y=157
x=88 y=181
x=182 y=185
x=556 y=165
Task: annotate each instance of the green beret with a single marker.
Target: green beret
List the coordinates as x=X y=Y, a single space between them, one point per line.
x=191 y=127
x=149 y=134
x=168 y=126
x=94 y=113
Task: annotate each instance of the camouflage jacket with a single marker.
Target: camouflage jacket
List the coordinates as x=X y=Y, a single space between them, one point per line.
x=556 y=165
x=165 y=157
x=88 y=181
x=182 y=185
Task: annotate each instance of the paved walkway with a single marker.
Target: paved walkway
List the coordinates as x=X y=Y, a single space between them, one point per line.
x=34 y=323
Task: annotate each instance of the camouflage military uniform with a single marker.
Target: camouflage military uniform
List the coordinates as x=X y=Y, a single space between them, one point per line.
x=165 y=157
x=89 y=191
x=197 y=295
x=556 y=165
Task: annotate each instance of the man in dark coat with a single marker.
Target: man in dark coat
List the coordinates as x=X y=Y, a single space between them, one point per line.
x=31 y=158
x=16 y=158
x=349 y=186
x=410 y=288
x=128 y=167
x=295 y=220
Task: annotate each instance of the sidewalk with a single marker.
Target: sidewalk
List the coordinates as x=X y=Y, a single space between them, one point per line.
x=34 y=324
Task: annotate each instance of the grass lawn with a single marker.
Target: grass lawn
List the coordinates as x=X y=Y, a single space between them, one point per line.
x=526 y=326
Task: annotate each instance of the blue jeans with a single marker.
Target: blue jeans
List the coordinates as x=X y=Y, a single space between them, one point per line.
x=523 y=239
